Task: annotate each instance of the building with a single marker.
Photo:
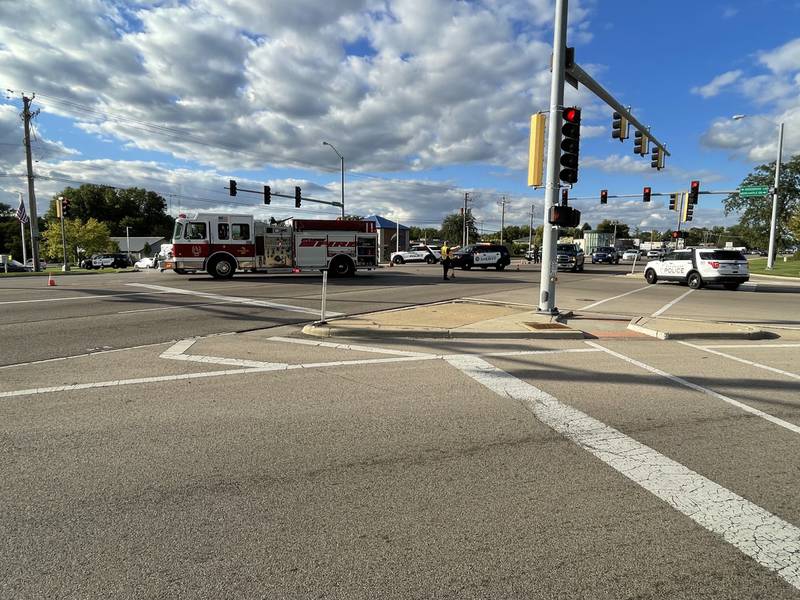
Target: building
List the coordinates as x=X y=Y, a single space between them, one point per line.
x=387 y=236
x=596 y=239
x=137 y=245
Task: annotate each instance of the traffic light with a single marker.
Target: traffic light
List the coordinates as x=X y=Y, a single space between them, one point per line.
x=564 y=216
x=571 y=132
x=646 y=194
x=676 y=235
x=564 y=197
x=694 y=192
x=619 y=127
x=657 y=159
x=672 y=200
x=297 y=197
x=232 y=187
x=603 y=196
x=267 y=194
x=65 y=207
x=688 y=210
x=536 y=151
x=641 y=143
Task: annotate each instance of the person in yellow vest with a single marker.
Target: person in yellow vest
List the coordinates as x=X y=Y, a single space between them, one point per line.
x=446 y=260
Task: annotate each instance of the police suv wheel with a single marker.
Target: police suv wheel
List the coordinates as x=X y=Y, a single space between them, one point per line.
x=398 y=260
x=500 y=266
x=430 y=260
x=694 y=281
x=650 y=276
x=466 y=267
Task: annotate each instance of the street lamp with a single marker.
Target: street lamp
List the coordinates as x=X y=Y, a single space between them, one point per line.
x=342 y=159
x=774 y=221
x=65 y=266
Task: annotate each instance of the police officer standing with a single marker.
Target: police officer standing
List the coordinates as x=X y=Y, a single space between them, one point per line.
x=446 y=260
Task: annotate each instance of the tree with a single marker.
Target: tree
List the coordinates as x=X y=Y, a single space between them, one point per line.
x=141 y=210
x=351 y=218
x=423 y=233
x=453 y=228
x=586 y=227
x=755 y=213
x=83 y=239
x=606 y=226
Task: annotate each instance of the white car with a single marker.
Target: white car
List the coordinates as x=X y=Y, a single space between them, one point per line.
x=654 y=253
x=630 y=255
x=421 y=253
x=700 y=266
x=144 y=263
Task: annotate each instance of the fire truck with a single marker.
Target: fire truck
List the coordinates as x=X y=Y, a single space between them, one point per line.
x=222 y=243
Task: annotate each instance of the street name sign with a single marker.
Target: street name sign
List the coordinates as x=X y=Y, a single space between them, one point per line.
x=753 y=190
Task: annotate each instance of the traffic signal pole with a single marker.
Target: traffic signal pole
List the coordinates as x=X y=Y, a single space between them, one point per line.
x=774 y=219
x=547 y=281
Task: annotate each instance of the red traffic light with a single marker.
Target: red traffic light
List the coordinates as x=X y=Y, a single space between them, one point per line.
x=695 y=186
x=571 y=115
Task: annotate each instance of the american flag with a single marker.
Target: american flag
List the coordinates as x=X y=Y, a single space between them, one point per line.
x=22 y=214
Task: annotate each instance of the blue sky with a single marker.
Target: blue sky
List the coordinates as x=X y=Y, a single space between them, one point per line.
x=426 y=99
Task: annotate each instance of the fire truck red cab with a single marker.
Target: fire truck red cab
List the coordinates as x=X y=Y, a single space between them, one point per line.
x=221 y=244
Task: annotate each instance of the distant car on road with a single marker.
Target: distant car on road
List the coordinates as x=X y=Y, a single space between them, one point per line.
x=420 y=253
x=112 y=261
x=605 y=254
x=630 y=255
x=654 y=253
x=698 y=267
x=570 y=256
x=483 y=256
x=145 y=263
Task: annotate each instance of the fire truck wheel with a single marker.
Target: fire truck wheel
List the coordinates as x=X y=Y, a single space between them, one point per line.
x=222 y=268
x=342 y=267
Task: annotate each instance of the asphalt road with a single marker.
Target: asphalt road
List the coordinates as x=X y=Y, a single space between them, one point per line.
x=268 y=465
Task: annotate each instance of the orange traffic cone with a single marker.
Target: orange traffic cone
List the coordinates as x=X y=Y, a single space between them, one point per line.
x=50 y=281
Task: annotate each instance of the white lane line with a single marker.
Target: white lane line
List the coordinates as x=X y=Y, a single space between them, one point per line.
x=748 y=346
x=757 y=533
x=353 y=347
x=669 y=305
x=65 y=298
x=235 y=299
x=785 y=424
x=141 y=310
x=598 y=303
x=742 y=360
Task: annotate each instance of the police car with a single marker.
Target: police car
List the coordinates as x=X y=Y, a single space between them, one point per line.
x=483 y=256
x=700 y=266
x=421 y=253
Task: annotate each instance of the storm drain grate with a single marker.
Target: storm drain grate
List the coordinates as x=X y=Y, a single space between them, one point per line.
x=545 y=325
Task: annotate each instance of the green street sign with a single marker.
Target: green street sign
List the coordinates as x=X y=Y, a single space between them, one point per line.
x=753 y=190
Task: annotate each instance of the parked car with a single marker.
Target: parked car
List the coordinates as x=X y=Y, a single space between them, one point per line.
x=419 y=253
x=654 y=253
x=14 y=266
x=42 y=264
x=570 y=256
x=113 y=261
x=698 y=267
x=631 y=254
x=605 y=254
x=483 y=256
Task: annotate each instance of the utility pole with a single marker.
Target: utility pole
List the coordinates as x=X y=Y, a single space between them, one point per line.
x=503 y=203
x=530 y=232
x=60 y=211
x=774 y=219
x=128 y=241
x=22 y=232
x=547 y=284
x=465 y=234
x=26 y=118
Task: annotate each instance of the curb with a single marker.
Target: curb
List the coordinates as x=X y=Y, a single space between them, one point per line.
x=785 y=279
x=745 y=333
x=326 y=331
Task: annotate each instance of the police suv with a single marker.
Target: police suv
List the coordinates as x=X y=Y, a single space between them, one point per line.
x=700 y=266
x=419 y=253
x=483 y=256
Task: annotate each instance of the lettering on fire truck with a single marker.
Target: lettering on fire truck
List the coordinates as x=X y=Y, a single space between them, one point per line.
x=318 y=242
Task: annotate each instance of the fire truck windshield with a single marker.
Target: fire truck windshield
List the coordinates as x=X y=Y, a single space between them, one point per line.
x=178 y=230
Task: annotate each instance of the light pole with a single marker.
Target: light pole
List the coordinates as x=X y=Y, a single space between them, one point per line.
x=342 y=159
x=773 y=226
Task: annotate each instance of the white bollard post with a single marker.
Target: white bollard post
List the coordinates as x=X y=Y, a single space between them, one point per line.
x=322 y=320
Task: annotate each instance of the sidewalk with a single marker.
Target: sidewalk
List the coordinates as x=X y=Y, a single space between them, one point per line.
x=475 y=318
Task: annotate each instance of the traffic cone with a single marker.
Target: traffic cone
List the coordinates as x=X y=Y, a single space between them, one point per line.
x=50 y=281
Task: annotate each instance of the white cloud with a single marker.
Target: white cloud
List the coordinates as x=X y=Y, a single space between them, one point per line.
x=618 y=164
x=783 y=59
x=714 y=87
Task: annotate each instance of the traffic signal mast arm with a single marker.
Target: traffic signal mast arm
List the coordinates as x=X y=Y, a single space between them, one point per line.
x=583 y=77
x=291 y=197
